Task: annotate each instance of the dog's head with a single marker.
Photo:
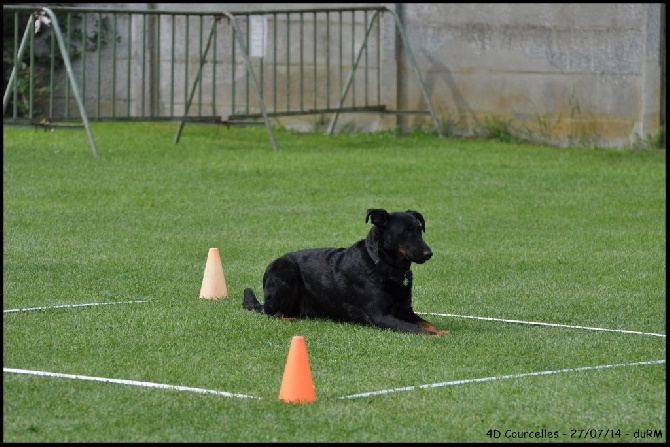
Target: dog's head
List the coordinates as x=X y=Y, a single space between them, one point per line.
x=399 y=235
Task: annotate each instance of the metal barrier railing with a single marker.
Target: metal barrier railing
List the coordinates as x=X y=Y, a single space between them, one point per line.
x=227 y=67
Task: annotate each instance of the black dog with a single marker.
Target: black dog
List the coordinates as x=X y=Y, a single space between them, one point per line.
x=369 y=282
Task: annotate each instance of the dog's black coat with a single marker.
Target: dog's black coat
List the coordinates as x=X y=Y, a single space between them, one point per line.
x=369 y=283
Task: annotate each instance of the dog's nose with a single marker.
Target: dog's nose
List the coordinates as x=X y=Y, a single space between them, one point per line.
x=427 y=254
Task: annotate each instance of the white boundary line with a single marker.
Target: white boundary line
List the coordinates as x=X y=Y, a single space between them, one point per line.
x=28 y=309
x=351 y=396
x=489 y=379
x=109 y=380
x=514 y=376
x=539 y=323
x=128 y=382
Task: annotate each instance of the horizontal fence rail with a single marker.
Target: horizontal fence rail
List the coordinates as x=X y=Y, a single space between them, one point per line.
x=227 y=67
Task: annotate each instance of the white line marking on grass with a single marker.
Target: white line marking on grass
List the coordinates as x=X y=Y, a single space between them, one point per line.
x=70 y=305
x=538 y=323
x=352 y=396
x=489 y=379
x=128 y=382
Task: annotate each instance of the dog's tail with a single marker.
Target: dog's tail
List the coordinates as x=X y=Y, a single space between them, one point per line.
x=250 y=301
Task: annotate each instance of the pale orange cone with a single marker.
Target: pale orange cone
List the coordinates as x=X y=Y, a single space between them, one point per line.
x=297 y=385
x=213 y=282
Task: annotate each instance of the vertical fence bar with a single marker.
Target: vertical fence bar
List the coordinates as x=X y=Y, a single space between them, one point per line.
x=301 y=87
x=340 y=46
x=353 y=58
x=246 y=75
x=18 y=55
x=274 y=62
x=379 y=58
x=328 y=60
x=52 y=72
x=214 y=63
x=83 y=56
x=114 y=40
x=31 y=84
x=186 y=59
x=17 y=58
x=147 y=61
x=143 y=66
x=288 y=61
x=129 y=52
x=202 y=62
x=367 y=64
x=262 y=58
x=172 y=64
x=159 y=61
x=99 y=48
x=67 y=45
x=314 y=43
x=233 y=78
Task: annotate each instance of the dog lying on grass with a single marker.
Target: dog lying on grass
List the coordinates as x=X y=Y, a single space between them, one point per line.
x=369 y=282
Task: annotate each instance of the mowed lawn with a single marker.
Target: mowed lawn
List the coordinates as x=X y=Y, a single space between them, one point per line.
x=571 y=238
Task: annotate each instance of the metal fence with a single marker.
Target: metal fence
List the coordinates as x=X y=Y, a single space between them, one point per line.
x=227 y=67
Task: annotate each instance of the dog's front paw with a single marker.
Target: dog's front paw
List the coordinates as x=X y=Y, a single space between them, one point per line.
x=432 y=330
x=437 y=332
x=441 y=332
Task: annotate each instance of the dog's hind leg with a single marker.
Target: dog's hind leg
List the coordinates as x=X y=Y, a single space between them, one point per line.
x=250 y=301
x=282 y=288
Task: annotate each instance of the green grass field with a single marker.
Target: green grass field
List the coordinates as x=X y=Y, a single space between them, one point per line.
x=570 y=237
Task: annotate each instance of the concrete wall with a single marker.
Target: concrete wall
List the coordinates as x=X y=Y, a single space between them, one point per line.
x=568 y=74
x=571 y=73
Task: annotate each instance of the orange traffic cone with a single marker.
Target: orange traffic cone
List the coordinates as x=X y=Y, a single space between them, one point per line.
x=297 y=385
x=213 y=282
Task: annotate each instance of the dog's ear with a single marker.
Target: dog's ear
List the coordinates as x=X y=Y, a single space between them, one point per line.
x=377 y=216
x=418 y=216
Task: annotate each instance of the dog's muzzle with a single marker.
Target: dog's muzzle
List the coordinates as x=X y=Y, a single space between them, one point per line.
x=417 y=257
x=426 y=255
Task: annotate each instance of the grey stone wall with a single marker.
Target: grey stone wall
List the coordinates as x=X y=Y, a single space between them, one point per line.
x=571 y=73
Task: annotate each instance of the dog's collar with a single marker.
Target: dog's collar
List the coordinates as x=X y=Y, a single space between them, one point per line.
x=397 y=274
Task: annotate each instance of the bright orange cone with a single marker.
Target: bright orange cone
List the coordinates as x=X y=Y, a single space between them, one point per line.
x=213 y=282
x=297 y=385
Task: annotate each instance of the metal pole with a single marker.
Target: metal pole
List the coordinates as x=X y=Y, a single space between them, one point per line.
x=350 y=79
x=68 y=68
x=410 y=56
x=245 y=53
x=198 y=77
